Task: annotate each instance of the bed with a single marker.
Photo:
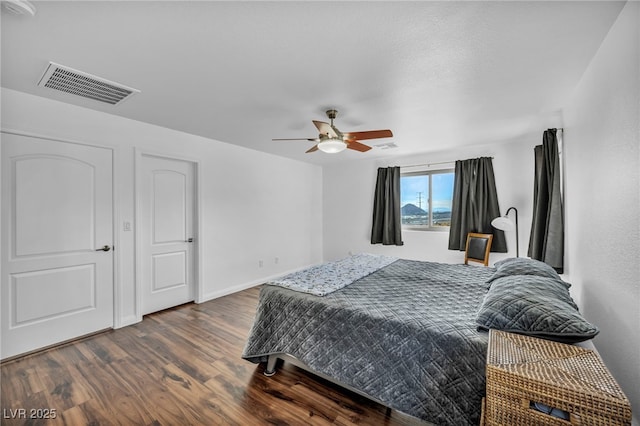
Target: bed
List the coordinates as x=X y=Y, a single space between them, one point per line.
x=406 y=334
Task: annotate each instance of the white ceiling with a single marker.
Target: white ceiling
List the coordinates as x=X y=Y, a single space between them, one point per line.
x=438 y=74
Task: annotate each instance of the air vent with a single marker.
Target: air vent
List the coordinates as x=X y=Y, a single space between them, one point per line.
x=388 y=145
x=19 y=7
x=80 y=83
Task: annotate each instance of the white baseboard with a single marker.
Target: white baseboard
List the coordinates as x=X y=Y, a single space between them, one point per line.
x=133 y=319
x=226 y=291
x=236 y=288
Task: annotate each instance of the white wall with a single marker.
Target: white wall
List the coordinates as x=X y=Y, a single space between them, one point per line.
x=348 y=202
x=602 y=140
x=254 y=206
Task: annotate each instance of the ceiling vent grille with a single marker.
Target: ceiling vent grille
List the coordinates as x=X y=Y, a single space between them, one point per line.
x=82 y=84
x=387 y=145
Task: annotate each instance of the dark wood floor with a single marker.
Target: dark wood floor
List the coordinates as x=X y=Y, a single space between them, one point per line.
x=179 y=366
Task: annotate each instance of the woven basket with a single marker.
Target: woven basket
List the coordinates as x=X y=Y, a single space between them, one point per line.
x=523 y=370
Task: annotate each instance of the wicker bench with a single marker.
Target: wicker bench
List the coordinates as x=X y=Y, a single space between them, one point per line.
x=532 y=381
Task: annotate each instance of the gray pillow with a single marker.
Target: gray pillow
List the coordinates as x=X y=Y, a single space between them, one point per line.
x=524 y=266
x=535 y=306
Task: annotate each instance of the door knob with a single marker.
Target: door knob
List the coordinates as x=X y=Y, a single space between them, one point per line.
x=190 y=240
x=104 y=248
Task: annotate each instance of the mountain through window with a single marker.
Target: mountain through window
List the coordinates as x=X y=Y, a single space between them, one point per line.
x=425 y=199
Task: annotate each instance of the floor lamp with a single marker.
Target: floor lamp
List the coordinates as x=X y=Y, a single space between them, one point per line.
x=505 y=223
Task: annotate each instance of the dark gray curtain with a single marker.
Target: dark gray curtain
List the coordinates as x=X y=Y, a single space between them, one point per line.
x=387 y=224
x=546 y=242
x=474 y=204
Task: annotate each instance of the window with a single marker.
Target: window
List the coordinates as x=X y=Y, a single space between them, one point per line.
x=425 y=199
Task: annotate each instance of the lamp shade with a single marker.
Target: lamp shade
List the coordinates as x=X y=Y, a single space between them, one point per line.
x=332 y=145
x=503 y=223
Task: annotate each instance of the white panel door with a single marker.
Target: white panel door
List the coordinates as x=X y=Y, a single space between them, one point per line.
x=166 y=200
x=57 y=282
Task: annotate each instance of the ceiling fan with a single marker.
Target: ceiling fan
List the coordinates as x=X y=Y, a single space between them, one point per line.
x=332 y=140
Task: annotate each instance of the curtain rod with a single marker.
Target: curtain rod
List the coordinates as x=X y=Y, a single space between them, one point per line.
x=433 y=164
x=453 y=162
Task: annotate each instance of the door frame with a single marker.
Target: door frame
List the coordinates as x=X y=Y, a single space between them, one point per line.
x=139 y=247
x=115 y=211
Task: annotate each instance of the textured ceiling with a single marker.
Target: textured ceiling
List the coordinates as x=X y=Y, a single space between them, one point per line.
x=439 y=74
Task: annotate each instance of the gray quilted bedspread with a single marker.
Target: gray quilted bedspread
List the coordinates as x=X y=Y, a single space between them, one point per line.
x=405 y=335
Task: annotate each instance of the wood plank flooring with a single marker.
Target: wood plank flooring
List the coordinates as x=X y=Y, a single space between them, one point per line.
x=179 y=366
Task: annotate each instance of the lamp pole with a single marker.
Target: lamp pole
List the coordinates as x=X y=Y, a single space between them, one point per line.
x=517 y=237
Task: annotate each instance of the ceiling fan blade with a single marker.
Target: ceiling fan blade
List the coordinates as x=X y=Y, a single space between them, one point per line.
x=296 y=139
x=312 y=149
x=325 y=128
x=369 y=134
x=353 y=144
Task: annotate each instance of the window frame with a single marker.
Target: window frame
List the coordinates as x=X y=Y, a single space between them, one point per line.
x=430 y=226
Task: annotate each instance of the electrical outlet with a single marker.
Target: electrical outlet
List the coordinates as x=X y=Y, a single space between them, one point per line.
x=260 y=263
x=126 y=226
x=276 y=260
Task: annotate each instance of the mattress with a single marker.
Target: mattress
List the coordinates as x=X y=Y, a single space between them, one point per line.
x=405 y=335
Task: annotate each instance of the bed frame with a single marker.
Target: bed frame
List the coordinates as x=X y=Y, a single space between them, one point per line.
x=271 y=369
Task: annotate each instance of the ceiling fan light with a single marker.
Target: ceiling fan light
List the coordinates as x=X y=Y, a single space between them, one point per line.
x=332 y=145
